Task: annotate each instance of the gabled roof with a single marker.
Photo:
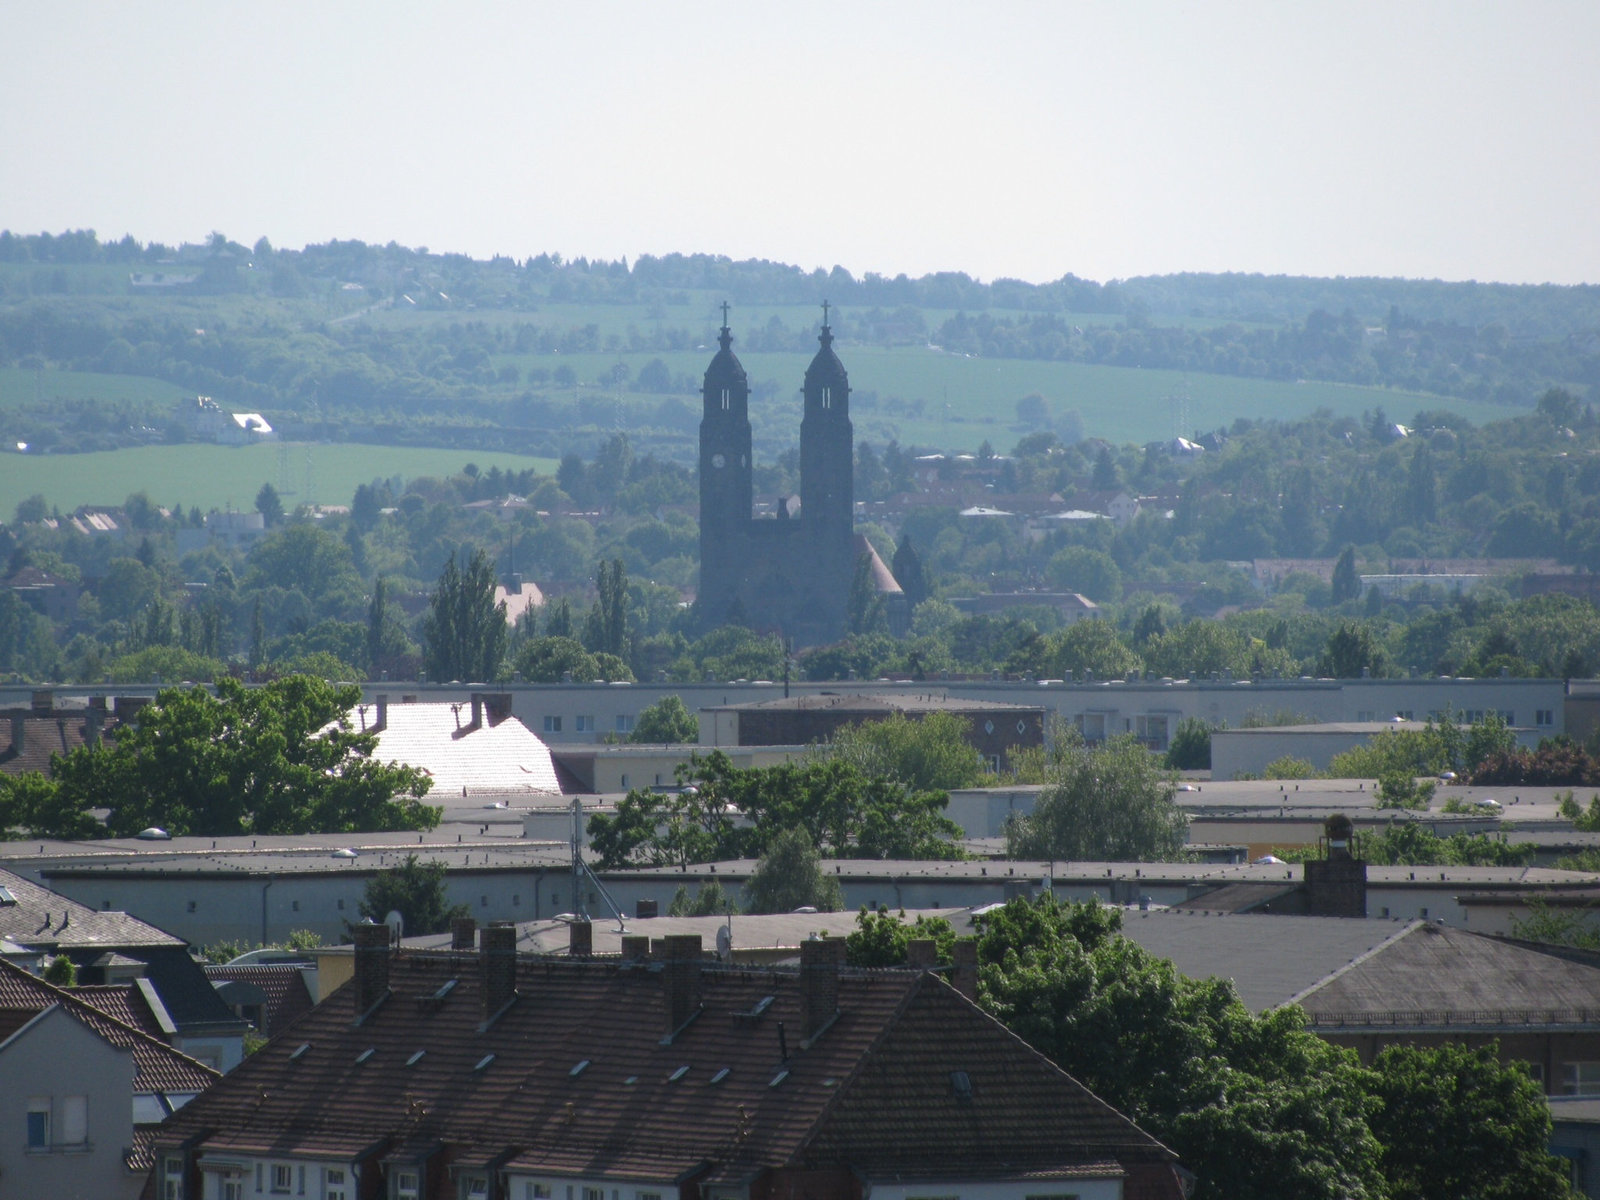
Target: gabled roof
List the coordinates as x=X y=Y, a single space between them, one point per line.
x=42 y=736
x=575 y=1077
x=42 y=919
x=500 y=754
x=1437 y=975
x=125 y=1002
x=282 y=988
x=157 y=1066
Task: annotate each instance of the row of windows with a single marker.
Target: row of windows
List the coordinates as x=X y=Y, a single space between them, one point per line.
x=585 y=723
x=336 y=1183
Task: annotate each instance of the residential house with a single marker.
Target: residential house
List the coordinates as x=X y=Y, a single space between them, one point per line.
x=80 y=1094
x=485 y=1075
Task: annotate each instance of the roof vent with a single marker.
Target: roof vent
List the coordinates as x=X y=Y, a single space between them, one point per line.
x=961 y=1085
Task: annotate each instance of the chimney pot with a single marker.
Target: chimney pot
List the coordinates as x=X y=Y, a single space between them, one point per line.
x=497 y=966
x=372 y=965
x=965 y=976
x=681 y=979
x=463 y=933
x=820 y=959
x=580 y=939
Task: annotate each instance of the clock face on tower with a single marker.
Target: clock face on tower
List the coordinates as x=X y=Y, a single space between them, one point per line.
x=718 y=461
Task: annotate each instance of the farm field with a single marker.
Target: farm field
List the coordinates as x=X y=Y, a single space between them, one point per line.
x=208 y=476
x=19 y=385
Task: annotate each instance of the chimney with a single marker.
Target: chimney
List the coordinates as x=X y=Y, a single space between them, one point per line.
x=372 y=966
x=127 y=707
x=643 y=910
x=515 y=584
x=463 y=933
x=44 y=702
x=94 y=721
x=497 y=706
x=19 y=731
x=497 y=971
x=635 y=947
x=477 y=710
x=580 y=939
x=922 y=953
x=1336 y=886
x=819 y=983
x=965 y=976
x=382 y=722
x=681 y=979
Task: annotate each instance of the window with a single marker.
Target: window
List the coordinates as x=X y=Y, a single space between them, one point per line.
x=232 y=1188
x=1092 y=726
x=39 y=1123
x=585 y=724
x=1055 y=1196
x=294 y=905
x=74 y=1129
x=334 y=1186
x=624 y=723
x=407 y=1185
x=552 y=724
x=647 y=1196
x=624 y=779
x=172 y=1179
x=282 y=1177
x=474 y=1187
x=536 y=1191
x=1544 y=716
x=1580 y=1079
x=1151 y=731
x=191 y=906
x=590 y=1193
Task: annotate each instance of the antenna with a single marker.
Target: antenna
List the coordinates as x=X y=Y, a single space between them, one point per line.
x=580 y=869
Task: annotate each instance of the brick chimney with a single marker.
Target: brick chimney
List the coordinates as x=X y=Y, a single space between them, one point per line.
x=922 y=953
x=497 y=967
x=580 y=939
x=372 y=966
x=1336 y=886
x=463 y=933
x=44 y=702
x=820 y=959
x=477 y=710
x=681 y=979
x=965 y=976
x=94 y=721
x=382 y=722
x=635 y=947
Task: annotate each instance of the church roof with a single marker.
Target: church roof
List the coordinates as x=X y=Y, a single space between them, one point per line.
x=826 y=368
x=725 y=365
x=883 y=580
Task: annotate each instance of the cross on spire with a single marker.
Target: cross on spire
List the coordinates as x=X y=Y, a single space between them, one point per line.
x=724 y=314
x=824 y=314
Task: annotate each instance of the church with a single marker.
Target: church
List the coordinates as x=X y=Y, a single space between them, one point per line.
x=791 y=573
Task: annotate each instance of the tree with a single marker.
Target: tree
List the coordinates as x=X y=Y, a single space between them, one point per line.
x=1352 y=652
x=611 y=610
x=1346 y=583
x=1091 y=647
x=880 y=939
x=929 y=754
x=553 y=659
x=464 y=631
x=62 y=972
x=909 y=572
x=1109 y=803
x=414 y=889
x=1190 y=748
x=280 y=758
x=1456 y=1121
x=710 y=899
x=269 y=506
x=1092 y=572
x=790 y=876
x=1257 y=1106
x=668 y=721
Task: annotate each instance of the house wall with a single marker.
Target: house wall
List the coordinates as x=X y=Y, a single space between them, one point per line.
x=55 y=1057
x=969 y=1189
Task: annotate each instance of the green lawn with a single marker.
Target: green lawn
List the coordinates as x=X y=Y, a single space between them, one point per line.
x=20 y=386
x=218 y=476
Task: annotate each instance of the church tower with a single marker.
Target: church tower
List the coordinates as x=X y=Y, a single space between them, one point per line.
x=725 y=462
x=827 y=468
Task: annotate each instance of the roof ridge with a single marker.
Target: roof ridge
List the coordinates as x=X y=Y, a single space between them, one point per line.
x=1372 y=951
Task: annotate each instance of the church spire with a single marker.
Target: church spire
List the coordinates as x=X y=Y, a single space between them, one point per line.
x=726 y=336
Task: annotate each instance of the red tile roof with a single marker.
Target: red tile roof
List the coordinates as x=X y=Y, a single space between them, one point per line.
x=283 y=988
x=576 y=1077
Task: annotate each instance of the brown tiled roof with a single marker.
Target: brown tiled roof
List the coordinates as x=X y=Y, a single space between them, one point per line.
x=124 y=1002
x=157 y=1066
x=41 y=737
x=283 y=986
x=574 y=1078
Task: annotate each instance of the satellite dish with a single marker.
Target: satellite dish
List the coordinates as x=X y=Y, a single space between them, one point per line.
x=396 y=924
x=724 y=943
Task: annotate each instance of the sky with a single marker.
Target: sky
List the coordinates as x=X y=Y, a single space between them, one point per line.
x=1452 y=140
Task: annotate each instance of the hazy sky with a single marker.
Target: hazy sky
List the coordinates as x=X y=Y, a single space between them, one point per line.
x=1458 y=140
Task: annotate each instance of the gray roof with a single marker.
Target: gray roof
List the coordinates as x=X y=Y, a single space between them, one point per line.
x=42 y=919
x=868 y=702
x=1434 y=975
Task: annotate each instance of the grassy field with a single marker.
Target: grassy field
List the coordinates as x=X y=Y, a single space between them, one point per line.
x=19 y=386
x=219 y=476
x=947 y=401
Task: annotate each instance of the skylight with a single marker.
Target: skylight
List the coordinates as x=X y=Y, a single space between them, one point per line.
x=415 y=1058
x=779 y=1077
x=720 y=1075
x=366 y=1054
x=445 y=989
x=484 y=1062
x=678 y=1074
x=6 y=898
x=579 y=1069
x=299 y=1050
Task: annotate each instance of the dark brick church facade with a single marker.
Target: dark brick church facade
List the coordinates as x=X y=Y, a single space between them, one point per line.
x=791 y=573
